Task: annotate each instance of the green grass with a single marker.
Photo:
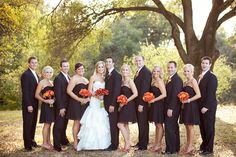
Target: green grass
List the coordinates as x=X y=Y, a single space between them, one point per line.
x=11 y=143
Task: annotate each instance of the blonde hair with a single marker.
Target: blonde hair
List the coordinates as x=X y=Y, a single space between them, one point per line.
x=156 y=66
x=96 y=67
x=190 y=66
x=47 y=68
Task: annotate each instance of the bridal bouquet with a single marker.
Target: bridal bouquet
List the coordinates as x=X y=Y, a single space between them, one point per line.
x=84 y=93
x=183 y=96
x=148 y=96
x=49 y=94
x=101 y=92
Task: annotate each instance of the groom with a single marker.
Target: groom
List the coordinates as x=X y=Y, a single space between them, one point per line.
x=62 y=100
x=113 y=85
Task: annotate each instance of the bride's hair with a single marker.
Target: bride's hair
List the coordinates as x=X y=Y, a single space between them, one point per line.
x=96 y=68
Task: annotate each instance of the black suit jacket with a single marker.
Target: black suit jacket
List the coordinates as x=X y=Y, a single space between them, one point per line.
x=143 y=84
x=60 y=89
x=113 y=84
x=28 y=88
x=208 y=86
x=173 y=88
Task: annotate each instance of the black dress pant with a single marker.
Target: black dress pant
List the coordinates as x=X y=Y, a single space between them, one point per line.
x=29 y=126
x=207 y=130
x=143 y=128
x=113 y=120
x=172 y=134
x=59 y=131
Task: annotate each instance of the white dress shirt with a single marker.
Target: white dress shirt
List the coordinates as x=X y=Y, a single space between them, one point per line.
x=35 y=75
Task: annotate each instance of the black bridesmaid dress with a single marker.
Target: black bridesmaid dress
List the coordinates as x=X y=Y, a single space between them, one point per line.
x=75 y=110
x=127 y=112
x=47 y=114
x=156 y=110
x=190 y=113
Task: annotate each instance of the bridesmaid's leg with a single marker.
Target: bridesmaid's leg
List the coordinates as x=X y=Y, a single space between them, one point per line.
x=49 y=137
x=45 y=132
x=124 y=132
x=75 y=131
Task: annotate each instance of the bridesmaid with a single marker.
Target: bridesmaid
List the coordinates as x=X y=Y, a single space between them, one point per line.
x=47 y=110
x=77 y=103
x=128 y=111
x=156 y=114
x=190 y=113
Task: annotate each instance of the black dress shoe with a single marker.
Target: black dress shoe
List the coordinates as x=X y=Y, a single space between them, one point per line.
x=28 y=149
x=34 y=144
x=65 y=143
x=57 y=149
x=141 y=149
x=110 y=149
x=206 y=153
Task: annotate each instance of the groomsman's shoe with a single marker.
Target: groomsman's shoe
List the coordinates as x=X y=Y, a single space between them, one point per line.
x=57 y=149
x=28 y=149
x=141 y=149
x=206 y=153
x=66 y=142
x=34 y=144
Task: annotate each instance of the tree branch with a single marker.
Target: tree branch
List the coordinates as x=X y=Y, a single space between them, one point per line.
x=225 y=5
x=175 y=30
x=112 y=11
x=190 y=36
x=227 y=16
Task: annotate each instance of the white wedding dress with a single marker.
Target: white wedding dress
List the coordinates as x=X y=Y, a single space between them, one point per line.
x=94 y=133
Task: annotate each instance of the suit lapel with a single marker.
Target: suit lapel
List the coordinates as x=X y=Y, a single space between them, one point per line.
x=204 y=77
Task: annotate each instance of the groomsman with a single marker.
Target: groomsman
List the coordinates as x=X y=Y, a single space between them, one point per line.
x=172 y=109
x=29 y=82
x=61 y=103
x=113 y=84
x=142 y=81
x=208 y=85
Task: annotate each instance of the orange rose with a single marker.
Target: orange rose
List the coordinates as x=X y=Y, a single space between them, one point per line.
x=84 y=93
x=122 y=99
x=183 y=96
x=148 y=96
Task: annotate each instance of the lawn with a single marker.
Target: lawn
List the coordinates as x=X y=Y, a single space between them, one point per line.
x=11 y=143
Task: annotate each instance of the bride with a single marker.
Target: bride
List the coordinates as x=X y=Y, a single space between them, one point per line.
x=95 y=129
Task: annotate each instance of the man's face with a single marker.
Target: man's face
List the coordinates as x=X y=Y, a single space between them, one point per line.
x=139 y=61
x=65 y=67
x=205 y=64
x=109 y=63
x=171 y=68
x=33 y=64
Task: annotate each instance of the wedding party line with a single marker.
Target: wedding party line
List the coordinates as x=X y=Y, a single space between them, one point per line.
x=104 y=105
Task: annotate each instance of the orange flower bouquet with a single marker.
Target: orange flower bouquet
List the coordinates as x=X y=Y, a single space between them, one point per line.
x=101 y=92
x=49 y=94
x=85 y=93
x=148 y=96
x=122 y=99
x=183 y=96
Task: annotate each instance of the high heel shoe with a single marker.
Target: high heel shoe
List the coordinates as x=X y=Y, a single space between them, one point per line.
x=47 y=147
x=156 y=149
x=189 y=151
x=126 y=149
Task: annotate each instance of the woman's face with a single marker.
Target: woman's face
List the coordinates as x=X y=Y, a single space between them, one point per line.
x=188 y=72
x=80 y=71
x=100 y=68
x=48 y=73
x=156 y=72
x=125 y=71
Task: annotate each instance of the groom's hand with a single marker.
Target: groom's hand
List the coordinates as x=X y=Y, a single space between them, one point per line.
x=140 y=108
x=111 y=108
x=62 y=112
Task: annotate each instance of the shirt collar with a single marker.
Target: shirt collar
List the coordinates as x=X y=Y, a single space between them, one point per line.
x=110 y=70
x=203 y=73
x=140 y=68
x=33 y=71
x=172 y=75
